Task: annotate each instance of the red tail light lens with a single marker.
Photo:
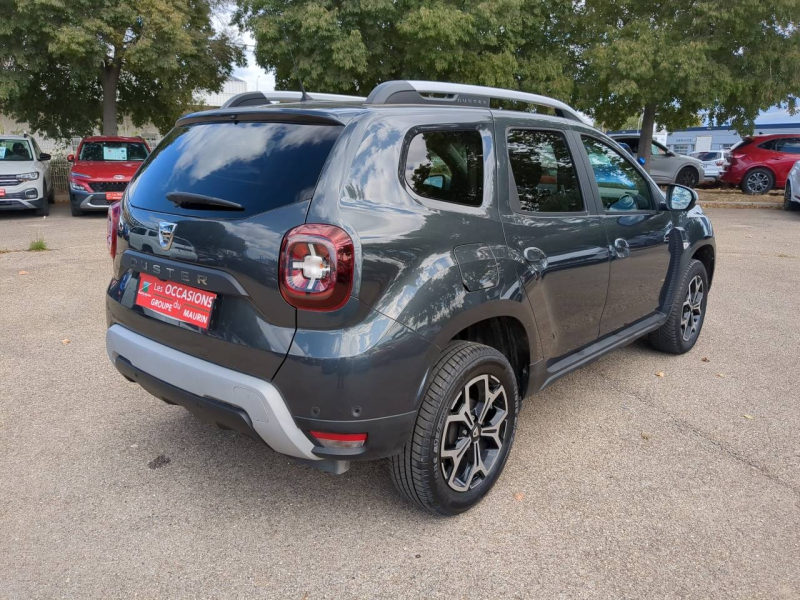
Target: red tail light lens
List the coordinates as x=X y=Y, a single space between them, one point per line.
x=111 y=227
x=316 y=267
x=340 y=440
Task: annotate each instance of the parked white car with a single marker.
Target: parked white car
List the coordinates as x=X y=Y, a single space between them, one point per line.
x=713 y=163
x=791 y=193
x=665 y=166
x=25 y=181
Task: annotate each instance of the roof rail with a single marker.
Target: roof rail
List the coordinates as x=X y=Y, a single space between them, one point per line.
x=459 y=94
x=262 y=98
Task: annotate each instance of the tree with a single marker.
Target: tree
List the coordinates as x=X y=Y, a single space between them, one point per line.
x=668 y=61
x=69 y=66
x=349 y=46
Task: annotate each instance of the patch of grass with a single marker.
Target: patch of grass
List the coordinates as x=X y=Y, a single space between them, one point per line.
x=37 y=245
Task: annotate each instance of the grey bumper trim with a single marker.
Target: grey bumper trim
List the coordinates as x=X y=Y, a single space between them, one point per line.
x=260 y=399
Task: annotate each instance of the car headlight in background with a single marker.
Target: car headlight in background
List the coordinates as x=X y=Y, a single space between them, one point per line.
x=28 y=176
x=76 y=187
x=79 y=175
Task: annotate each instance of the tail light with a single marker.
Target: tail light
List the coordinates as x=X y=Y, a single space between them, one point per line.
x=316 y=267
x=112 y=224
x=719 y=163
x=340 y=440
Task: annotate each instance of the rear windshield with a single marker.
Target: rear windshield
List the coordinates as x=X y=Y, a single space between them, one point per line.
x=260 y=166
x=706 y=155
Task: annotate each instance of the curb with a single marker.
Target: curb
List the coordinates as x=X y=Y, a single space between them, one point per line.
x=724 y=204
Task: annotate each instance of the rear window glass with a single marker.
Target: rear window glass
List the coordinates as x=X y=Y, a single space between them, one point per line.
x=261 y=166
x=447 y=166
x=706 y=155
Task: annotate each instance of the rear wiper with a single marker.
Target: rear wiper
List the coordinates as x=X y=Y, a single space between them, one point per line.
x=186 y=200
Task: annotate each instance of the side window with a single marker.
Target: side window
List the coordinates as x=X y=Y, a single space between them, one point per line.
x=622 y=187
x=789 y=145
x=447 y=166
x=657 y=150
x=768 y=145
x=543 y=172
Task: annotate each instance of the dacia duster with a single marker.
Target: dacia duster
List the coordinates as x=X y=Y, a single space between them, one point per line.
x=389 y=277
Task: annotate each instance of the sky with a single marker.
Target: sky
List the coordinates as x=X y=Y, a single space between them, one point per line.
x=256 y=77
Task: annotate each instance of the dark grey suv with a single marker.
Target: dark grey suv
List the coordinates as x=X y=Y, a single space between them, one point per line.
x=389 y=277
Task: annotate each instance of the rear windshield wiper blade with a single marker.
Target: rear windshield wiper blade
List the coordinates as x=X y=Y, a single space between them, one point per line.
x=186 y=200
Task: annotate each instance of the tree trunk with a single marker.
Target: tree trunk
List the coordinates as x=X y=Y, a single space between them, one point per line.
x=109 y=76
x=646 y=134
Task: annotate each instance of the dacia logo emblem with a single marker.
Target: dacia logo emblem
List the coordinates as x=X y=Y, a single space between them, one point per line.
x=165 y=231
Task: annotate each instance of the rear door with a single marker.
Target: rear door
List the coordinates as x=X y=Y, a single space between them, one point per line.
x=789 y=149
x=638 y=229
x=552 y=226
x=207 y=212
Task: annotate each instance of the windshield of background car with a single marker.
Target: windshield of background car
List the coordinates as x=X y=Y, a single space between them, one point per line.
x=113 y=151
x=15 y=150
x=260 y=166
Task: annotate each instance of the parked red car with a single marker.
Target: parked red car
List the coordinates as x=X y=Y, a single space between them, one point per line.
x=761 y=163
x=102 y=169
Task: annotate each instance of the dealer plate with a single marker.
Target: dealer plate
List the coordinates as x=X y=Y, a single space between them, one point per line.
x=181 y=302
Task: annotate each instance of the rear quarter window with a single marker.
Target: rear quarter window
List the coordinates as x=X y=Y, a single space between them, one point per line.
x=446 y=166
x=261 y=166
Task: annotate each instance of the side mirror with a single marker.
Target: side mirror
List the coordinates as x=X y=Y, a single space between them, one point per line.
x=44 y=156
x=680 y=197
x=70 y=158
x=641 y=161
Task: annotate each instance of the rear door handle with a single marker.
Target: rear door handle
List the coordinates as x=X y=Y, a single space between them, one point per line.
x=621 y=248
x=536 y=258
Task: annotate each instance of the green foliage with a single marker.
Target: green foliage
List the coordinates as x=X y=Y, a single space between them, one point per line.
x=37 y=245
x=681 y=57
x=349 y=46
x=151 y=54
x=611 y=58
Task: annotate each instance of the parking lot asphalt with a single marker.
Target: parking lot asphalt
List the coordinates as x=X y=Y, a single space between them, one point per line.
x=621 y=483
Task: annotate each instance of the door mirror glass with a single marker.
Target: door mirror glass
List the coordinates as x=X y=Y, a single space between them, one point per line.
x=70 y=157
x=680 y=197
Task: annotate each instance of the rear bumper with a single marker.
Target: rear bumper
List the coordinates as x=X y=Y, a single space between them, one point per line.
x=732 y=177
x=215 y=394
x=240 y=402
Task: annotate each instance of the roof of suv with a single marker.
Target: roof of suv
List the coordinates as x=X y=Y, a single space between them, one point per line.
x=15 y=136
x=336 y=109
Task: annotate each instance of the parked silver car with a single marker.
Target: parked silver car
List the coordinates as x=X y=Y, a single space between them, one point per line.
x=666 y=166
x=791 y=193
x=713 y=162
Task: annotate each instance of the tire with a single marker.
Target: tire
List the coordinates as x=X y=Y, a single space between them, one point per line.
x=678 y=334
x=757 y=182
x=44 y=210
x=51 y=197
x=688 y=176
x=788 y=204
x=420 y=472
x=76 y=212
